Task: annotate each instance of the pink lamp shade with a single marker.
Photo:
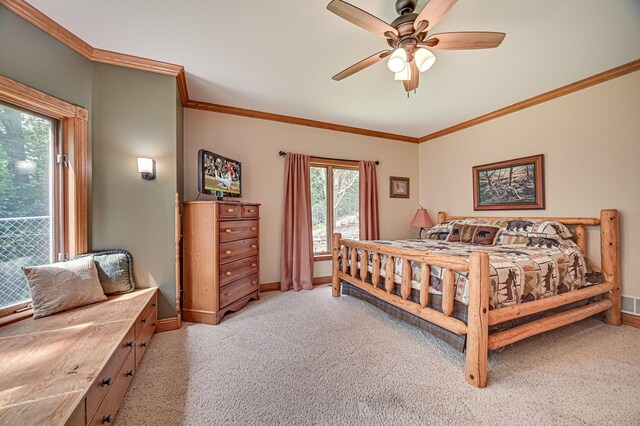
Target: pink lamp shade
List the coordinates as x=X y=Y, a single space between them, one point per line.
x=422 y=219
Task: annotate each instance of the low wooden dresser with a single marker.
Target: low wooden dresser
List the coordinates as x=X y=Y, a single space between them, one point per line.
x=221 y=258
x=74 y=367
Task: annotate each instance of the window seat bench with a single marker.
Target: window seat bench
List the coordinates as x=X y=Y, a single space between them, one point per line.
x=74 y=367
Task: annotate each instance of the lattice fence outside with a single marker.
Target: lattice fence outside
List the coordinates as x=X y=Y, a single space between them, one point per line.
x=23 y=241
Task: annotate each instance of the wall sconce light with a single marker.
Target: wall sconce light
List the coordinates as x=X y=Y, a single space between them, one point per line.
x=147 y=168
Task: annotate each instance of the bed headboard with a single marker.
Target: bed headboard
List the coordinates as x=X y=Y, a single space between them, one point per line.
x=577 y=223
x=609 y=246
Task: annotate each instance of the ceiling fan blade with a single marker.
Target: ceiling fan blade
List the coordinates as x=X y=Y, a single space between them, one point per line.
x=464 y=40
x=360 y=18
x=361 y=65
x=433 y=12
x=412 y=84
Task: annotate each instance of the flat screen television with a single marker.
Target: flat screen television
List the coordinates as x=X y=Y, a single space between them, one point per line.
x=218 y=175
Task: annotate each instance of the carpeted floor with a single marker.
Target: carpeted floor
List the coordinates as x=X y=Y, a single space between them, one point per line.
x=307 y=358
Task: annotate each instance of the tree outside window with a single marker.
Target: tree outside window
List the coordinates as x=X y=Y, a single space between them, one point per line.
x=334 y=204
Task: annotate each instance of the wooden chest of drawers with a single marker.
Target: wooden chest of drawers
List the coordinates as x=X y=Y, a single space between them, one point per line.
x=221 y=258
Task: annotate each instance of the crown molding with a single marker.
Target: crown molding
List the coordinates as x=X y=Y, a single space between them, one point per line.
x=547 y=96
x=225 y=109
x=48 y=25
x=55 y=30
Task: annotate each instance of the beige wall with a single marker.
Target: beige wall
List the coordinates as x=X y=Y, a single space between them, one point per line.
x=256 y=144
x=591 y=143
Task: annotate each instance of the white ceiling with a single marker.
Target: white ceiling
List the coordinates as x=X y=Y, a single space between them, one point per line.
x=279 y=55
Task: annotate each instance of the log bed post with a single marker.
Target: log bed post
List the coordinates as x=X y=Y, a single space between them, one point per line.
x=442 y=217
x=478 y=320
x=610 y=263
x=335 y=279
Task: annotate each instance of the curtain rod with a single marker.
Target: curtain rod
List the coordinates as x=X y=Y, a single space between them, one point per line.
x=282 y=154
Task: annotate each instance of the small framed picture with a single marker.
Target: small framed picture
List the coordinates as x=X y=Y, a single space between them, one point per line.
x=398 y=187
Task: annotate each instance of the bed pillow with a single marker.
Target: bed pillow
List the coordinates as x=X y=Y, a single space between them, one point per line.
x=473 y=234
x=115 y=270
x=63 y=286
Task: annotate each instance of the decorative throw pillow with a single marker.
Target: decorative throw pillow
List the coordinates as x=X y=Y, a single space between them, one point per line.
x=63 y=286
x=475 y=234
x=115 y=270
x=456 y=231
x=484 y=234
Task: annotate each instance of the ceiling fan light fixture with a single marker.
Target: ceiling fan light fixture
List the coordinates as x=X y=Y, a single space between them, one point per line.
x=398 y=60
x=424 y=59
x=403 y=75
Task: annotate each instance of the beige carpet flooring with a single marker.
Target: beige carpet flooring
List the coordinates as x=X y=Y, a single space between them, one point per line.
x=307 y=358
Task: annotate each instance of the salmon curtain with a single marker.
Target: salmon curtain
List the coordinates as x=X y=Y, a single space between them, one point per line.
x=369 y=221
x=296 y=265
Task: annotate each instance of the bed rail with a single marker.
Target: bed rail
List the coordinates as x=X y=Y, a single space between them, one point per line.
x=479 y=342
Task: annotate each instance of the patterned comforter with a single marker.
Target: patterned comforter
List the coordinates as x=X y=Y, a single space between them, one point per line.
x=519 y=273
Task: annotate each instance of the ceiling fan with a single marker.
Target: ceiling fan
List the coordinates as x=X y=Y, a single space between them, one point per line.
x=408 y=36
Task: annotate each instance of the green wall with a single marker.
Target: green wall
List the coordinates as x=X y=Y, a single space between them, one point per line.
x=32 y=57
x=134 y=115
x=131 y=114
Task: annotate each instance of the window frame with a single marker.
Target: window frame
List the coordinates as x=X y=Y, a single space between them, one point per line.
x=70 y=183
x=330 y=165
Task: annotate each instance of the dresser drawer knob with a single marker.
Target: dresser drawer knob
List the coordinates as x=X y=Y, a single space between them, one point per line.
x=143 y=345
x=144 y=321
x=251 y=210
x=129 y=344
x=253 y=228
x=107 y=382
x=228 y=273
x=129 y=374
x=227 y=252
x=254 y=264
x=227 y=294
x=107 y=419
x=153 y=324
x=229 y=210
x=227 y=230
x=153 y=305
x=254 y=282
x=254 y=246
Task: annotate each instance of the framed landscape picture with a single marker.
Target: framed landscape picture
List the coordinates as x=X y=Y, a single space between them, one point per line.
x=398 y=187
x=509 y=185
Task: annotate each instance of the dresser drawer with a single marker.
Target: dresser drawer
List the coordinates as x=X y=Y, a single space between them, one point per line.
x=107 y=376
x=229 y=210
x=143 y=340
x=238 y=230
x=109 y=407
x=237 y=250
x=233 y=271
x=143 y=318
x=249 y=211
x=238 y=289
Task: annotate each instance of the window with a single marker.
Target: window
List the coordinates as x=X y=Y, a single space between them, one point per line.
x=43 y=187
x=29 y=201
x=334 y=202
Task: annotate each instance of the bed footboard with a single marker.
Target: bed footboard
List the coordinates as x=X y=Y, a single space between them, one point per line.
x=477 y=327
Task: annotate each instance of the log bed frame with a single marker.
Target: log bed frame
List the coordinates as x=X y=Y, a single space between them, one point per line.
x=480 y=318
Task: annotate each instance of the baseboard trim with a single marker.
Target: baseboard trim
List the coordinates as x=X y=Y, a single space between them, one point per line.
x=631 y=320
x=168 y=324
x=264 y=287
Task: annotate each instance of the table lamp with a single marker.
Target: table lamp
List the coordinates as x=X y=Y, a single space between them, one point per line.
x=422 y=220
